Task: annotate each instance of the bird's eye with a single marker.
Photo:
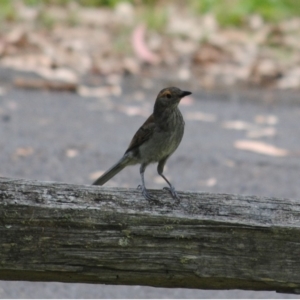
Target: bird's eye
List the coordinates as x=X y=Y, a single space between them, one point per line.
x=168 y=95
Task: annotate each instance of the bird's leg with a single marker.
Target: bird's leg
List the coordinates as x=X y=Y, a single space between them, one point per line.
x=145 y=193
x=171 y=189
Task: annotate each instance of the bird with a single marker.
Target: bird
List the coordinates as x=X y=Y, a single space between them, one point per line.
x=155 y=141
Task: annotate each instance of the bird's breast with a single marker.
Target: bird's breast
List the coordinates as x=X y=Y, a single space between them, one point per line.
x=165 y=139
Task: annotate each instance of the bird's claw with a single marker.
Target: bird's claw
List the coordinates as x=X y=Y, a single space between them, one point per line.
x=146 y=195
x=173 y=192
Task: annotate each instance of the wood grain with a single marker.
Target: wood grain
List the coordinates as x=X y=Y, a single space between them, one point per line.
x=88 y=234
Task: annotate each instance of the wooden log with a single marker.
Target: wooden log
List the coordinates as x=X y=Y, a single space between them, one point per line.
x=89 y=234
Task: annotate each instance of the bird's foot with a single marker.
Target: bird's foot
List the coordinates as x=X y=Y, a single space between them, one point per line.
x=147 y=196
x=173 y=192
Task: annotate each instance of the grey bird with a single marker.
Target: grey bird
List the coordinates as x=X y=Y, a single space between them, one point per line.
x=155 y=141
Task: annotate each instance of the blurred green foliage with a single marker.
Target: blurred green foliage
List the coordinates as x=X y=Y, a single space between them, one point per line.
x=95 y=3
x=155 y=17
x=228 y=12
x=234 y=12
x=7 y=11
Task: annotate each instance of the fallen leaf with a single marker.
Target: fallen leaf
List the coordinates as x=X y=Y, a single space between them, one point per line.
x=210 y=182
x=238 y=125
x=187 y=101
x=209 y=54
x=140 y=48
x=39 y=83
x=104 y=91
x=17 y=36
x=262 y=132
x=23 y=151
x=290 y=80
x=96 y=175
x=265 y=71
x=260 y=147
x=160 y=180
x=131 y=65
x=61 y=74
x=72 y=153
x=186 y=27
x=266 y=119
x=133 y=110
x=125 y=11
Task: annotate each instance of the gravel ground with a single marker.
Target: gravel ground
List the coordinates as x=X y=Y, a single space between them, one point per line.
x=66 y=138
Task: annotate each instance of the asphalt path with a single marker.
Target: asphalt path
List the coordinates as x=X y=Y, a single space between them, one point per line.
x=60 y=136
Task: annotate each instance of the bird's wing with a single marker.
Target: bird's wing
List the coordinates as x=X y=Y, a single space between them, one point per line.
x=143 y=134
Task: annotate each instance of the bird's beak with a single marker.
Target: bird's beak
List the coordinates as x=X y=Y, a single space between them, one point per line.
x=185 y=93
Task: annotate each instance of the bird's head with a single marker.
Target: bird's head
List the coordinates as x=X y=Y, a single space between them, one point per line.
x=171 y=96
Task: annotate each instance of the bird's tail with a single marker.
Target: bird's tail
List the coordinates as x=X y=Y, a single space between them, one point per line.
x=115 y=169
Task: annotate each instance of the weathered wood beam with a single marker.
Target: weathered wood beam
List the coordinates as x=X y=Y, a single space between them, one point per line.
x=89 y=234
